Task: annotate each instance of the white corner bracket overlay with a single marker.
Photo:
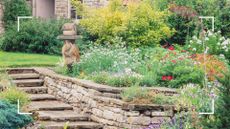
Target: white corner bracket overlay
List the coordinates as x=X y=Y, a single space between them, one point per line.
x=22 y=113
x=22 y=17
x=213 y=100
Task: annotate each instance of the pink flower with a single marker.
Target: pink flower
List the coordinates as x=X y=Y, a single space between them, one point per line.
x=174 y=61
x=171 y=48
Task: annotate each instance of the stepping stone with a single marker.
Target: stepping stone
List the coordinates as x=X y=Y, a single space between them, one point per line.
x=29 y=82
x=61 y=116
x=48 y=105
x=34 y=90
x=40 y=97
x=71 y=125
x=24 y=76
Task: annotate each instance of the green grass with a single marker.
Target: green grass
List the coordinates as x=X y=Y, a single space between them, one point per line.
x=11 y=59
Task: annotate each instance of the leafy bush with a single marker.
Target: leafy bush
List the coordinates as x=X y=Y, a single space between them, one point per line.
x=35 y=36
x=214 y=43
x=172 y=68
x=13 y=9
x=222 y=117
x=185 y=16
x=122 y=81
x=9 y=117
x=108 y=59
x=133 y=93
x=12 y=95
x=5 y=81
x=137 y=24
x=163 y=99
x=194 y=97
x=213 y=65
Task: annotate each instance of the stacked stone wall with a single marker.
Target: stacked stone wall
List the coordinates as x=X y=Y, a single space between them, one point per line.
x=103 y=103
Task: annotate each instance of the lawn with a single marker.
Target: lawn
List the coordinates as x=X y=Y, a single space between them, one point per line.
x=12 y=59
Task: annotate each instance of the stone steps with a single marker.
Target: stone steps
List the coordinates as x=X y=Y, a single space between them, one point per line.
x=71 y=125
x=34 y=90
x=47 y=110
x=61 y=116
x=49 y=105
x=24 y=76
x=41 y=97
x=29 y=82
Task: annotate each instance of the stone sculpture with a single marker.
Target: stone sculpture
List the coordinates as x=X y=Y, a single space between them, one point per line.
x=70 y=51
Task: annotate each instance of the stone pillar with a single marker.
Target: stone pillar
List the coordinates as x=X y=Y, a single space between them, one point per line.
x=1 y=18
x=62 y=8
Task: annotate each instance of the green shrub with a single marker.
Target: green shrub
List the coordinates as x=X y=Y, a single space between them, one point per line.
x=134 y=92
x=163 y=99
x=194 y=97
x=12 y=95
x=108 y=59
x=175 y=68
x=148 y=80
x=9 y=117
x=35 y=36
x=186 y=25
x=5 y=81
x=13 y=9
x=221 y=117
x=214 y=42
x=138 y=24
x=121 y=81
x=100 y=78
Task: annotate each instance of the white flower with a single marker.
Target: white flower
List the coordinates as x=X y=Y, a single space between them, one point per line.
x=206 y=38
x=210 y=33
x=194 y=49
x=206 y=50
x=222 y=56
x=199 y=42
x=194 y=37
x=226 y=42
x=224 y=47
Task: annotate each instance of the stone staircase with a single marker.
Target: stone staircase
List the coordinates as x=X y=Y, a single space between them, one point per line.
x=49 y=112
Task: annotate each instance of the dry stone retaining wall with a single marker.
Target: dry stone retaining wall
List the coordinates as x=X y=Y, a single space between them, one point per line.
x=103 y=103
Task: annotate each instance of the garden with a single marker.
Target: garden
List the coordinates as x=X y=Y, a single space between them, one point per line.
x=135 y=46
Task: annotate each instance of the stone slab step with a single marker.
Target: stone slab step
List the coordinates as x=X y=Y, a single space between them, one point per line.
x=61 y=116
x=20 y=70
x=48 y=105
x=41 y=97
x=72 y=125
x=34 y=90
x=24 y=76
x=28 y=82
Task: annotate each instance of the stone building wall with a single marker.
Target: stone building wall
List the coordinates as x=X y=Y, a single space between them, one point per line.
x=1 y=16
x=103 y=102
x=62 y=8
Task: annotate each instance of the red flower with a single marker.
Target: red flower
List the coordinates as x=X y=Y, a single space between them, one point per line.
x=169 y=78
x=174 y=61
x=171 y=48
x=164 y=78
